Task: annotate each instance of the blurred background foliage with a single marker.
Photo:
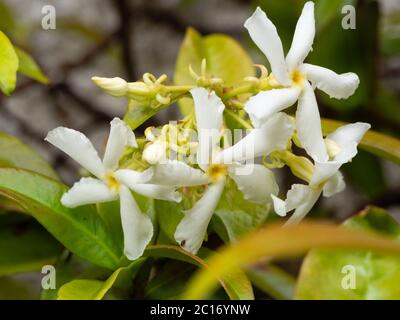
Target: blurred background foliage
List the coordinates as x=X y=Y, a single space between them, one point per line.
x=129 y=37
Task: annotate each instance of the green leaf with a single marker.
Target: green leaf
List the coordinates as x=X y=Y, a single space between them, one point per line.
x=137 y=113
x=225 y=58
x=235 y=283
x=169 y=214
x=28 y=67
x=85 y=289
x=379 y=144
x=324 y=276
x=8 y=65
x=26 y=247
x=276 y=242
x=14 y=153
x=169 y=282
x=81 y=230
x=236 y=216
x=273 y=281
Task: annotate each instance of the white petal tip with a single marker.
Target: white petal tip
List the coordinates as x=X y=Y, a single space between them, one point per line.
x=256 y=13
x=279 y=206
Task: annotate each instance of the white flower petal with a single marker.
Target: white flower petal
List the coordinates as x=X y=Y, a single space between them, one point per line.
x=131 y=177
x=87 y=191
x=308 y=125
x=303 y=37
x=323 y=171
x=267 y=103
x=256 y=182
x=191 y=230
x=279 y=206
x=157 y=192
x=334 y=185
x=78 y=147
x=208 y=109
x=305 y=207
x=339 y=86
x=273 y=135
x=350 y=133
x=137 y=227
x=347 y=137
x=264 y=34
x=300 y=197
x=178 y=174
x=121 y=136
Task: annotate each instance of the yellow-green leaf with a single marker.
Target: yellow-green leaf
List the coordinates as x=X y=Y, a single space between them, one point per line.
x=81 y=230
x=14 y=153
x=8 y=65
x=353 y=275
x=225 y=58
x=26 y=248
x=235 y=282
x=276 y=241
x=382 y=145
x=85 y=289
x=29 y=67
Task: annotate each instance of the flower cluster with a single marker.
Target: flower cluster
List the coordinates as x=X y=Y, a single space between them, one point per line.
x=208 y=158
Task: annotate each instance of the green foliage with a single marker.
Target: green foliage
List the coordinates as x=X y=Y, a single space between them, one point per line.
x=87 y=289
x=273 y=281
x=28 y=67
x=170 y=281
x=225 y=59
x=137 y=113
x=376 y=275
x=8 y=65
x=81 y=230
x=15 y=153
x=13 y=59
x=235 y=283
x=278 y=242
x=25 y=247
x=235 y=216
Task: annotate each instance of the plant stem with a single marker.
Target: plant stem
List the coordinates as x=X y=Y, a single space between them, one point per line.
x=237 y=118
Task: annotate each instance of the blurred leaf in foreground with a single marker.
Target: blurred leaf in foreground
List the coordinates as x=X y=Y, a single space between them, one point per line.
x=326 y=274
x=276 y=241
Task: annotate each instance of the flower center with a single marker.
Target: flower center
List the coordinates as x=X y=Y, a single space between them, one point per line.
x=112 y=183
x=216 y=171
x=297 y=78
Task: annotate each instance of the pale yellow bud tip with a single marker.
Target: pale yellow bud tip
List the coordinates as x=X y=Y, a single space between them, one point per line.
x=116 y=87
x=332 y=147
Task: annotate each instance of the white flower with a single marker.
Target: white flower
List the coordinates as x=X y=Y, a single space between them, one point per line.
x=326 y=177
x=112 y=183
x=295 y=76
x=256 y=182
